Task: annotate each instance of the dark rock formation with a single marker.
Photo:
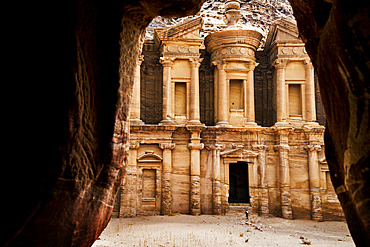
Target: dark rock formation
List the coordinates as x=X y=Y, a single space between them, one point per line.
x=78 y=102
x=336 y=34
x=72 y=79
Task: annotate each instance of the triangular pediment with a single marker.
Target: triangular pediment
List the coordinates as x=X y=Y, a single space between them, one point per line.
x=238 y=153
x=189 y=29
x=282 y=30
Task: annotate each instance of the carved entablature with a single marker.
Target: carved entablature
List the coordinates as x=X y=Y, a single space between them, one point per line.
x=233 y=53
x=233 y=45
x=177 y=50
x=292 y=49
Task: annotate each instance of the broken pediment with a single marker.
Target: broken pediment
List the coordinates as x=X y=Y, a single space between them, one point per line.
x=282 y=30
x=189 y=29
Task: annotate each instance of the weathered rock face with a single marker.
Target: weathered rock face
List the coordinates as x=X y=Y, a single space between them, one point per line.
x=258 y=14
x=69 y=187
x=336 y=36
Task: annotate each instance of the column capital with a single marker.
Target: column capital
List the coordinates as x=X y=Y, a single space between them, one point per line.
x=215 y=147
x=166 y=145
x=195 y=62
x=135 y=145
x=220 y=64
x=196 y=146
x=251 y=65
x=308 y=64
x=311 y=148
x=280 y=63
x=167 y=61
x=283 y=147
x=260 y=147
x=140 y=60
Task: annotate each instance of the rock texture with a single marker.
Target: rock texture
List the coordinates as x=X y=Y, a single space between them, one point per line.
x=70 y=180
x=257 y=14
x=336 y=34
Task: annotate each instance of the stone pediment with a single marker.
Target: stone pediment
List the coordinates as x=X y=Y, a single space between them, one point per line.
x=282 y=30
x=238 y=153
x=149 y=157
x=189 y=29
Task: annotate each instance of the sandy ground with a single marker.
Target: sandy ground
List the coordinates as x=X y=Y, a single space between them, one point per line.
x=229 y=230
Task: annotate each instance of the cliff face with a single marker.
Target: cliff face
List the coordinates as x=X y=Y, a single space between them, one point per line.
x=256 y=14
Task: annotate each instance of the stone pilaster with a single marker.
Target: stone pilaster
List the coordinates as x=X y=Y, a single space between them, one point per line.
x=135 y=99
x=166 y=200
x=263 y=189
x=128 y=203
x=195 y=177
x=249 y=94
x=194 y=110
x=195 y=146
x=310 y=92
x=314 y=178
x=167 y=113
x=216 y=183
x=223 y=104
x=284 y=173
x=281 y=111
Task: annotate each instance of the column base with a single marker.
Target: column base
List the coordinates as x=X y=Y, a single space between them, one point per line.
x=136 y=122
x=167 y=122
x=282 y=124
x=250 y=124
x=223 y=124
x=194 y=122
x=311 y=124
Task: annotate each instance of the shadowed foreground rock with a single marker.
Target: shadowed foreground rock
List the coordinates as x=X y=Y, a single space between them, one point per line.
x=336 y=36
x=68 y=149
x=70 y=179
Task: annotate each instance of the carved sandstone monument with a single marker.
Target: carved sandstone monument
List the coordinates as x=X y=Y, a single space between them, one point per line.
x=71 y=70
x=223 y=123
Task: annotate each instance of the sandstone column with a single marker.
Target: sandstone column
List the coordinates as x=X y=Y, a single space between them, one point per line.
x=280 y=91
x=135 y=99
x=194 y=117
x=167 y=114
x=264 y=199
x=195 y=177
x=129 y=186
x=166 y=200
x=250 y=115
x=284 y=173
x=314 y=178
x=195 y=146
x=216 y=183
x=310 y=92
x=223 y=105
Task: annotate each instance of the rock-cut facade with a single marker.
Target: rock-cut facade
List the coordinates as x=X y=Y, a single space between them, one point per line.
x=218 y=122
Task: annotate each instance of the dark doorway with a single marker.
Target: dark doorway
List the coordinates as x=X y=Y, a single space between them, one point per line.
x=239 y=184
